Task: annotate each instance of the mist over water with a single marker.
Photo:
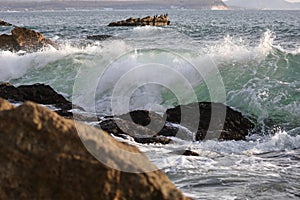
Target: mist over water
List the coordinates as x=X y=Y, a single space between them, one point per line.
x=257 y=55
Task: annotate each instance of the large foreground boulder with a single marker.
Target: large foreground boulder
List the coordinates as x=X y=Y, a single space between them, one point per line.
x=42 y=157
x=162 y=20
x=24 y=39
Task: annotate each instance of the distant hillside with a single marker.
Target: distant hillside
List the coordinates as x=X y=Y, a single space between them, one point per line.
x=264 y=4
x=115 y=4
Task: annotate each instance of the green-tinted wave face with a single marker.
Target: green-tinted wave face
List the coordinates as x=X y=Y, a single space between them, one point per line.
x=268 y=89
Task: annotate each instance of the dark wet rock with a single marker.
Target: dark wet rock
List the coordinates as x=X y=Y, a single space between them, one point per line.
x=38 y=93
x=151 y=120
x=3 y=23
x=236 y=126
x=143 y=117
x=24 y=39
x=190 y=153
x=168 y=130
x=155 y=140
x=162 y=20
x=8 y=43
x=42 y=157
x=122 y=128
x=102 y=37
x=196 y=123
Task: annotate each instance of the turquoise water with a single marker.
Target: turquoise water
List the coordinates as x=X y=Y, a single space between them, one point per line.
x=249 y=60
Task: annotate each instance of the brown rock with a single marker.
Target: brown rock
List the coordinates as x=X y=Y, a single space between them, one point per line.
x=5 y=105
x=42 y=157
x=24 y=39
x=29 y=39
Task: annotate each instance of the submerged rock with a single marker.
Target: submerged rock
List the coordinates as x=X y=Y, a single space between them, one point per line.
x=162 y=20
x=3 y=23
x=234 y=127
x=38 y=93
x=42 y=157
x=102 y=37
x=24 y=39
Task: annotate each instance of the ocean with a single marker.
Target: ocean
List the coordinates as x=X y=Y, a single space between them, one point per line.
x=249 y=60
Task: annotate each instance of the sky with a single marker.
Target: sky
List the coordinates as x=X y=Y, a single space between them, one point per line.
x=131 y=0
x=123 y=0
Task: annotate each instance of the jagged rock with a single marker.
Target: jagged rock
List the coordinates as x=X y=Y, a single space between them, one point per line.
x=162 y=20
x=38 y=93
x=152 y=121
x=140 y=134
x=42 y=157
x=140 y=123
x=3 y=23
x=24 y=39
x=8 y=43
x=236 y=126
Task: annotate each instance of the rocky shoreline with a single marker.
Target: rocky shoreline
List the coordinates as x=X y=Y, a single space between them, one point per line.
x=33 y=137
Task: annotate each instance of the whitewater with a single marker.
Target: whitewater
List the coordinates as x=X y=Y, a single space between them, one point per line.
x=249 y=60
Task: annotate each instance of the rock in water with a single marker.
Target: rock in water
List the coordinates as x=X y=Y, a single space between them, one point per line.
x=162 y=20
x=190 y=153
x=236 y=126
x=42 y=157
x=140 y=134
x=38 y=93
x=24 y=39
x=102 y=37
x=3 y=23
x=7 y=42
x=30 y=40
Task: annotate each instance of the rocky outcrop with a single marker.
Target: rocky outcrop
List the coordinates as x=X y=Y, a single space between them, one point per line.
x=162 y=20
x=140 y=134
x=234 y=127
x=3 y=23
x=24 y=39
x=140 y=123
x=102 y=37
x=38 y=93
x=42 y=157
